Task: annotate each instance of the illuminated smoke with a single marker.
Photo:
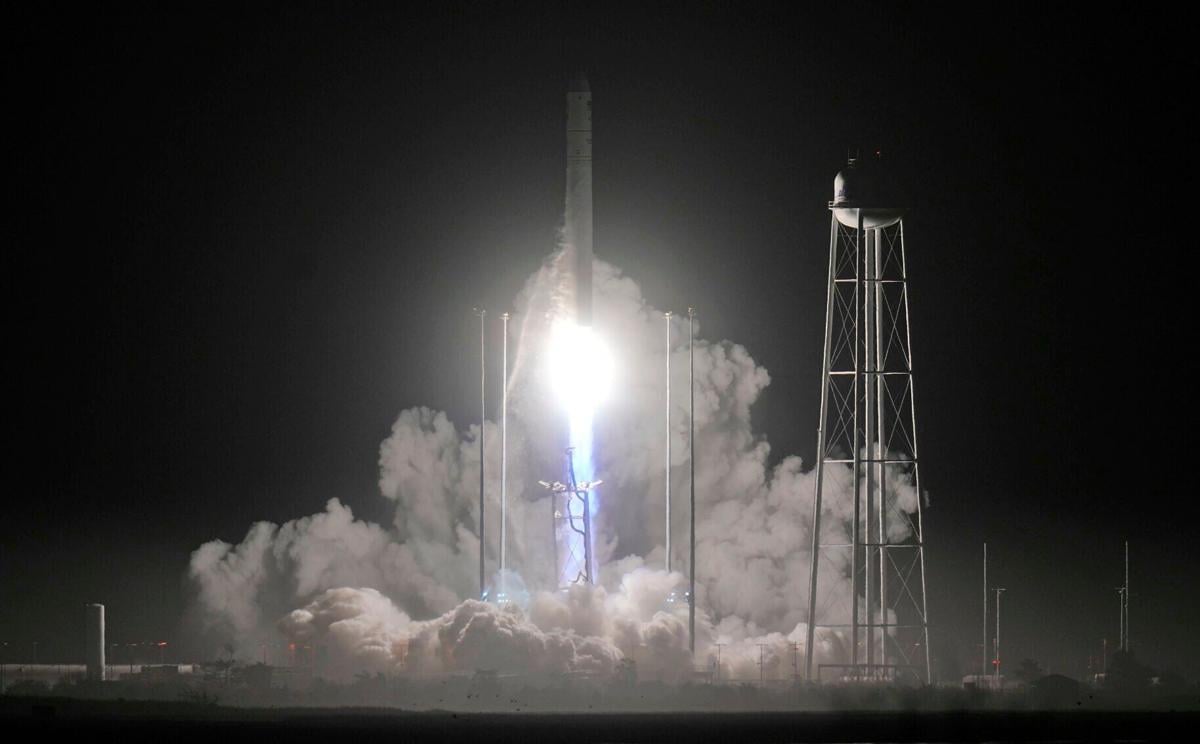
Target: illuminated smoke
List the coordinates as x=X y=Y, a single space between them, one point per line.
x=753 y=518
x=582 y=630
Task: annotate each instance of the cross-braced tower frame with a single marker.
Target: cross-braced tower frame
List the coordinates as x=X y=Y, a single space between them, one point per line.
x=570 y=504
x=868 y=426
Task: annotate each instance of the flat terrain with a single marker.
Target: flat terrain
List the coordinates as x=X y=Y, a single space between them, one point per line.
x=135 y=721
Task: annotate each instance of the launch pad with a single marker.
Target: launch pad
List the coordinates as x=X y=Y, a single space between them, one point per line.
x=570 y=506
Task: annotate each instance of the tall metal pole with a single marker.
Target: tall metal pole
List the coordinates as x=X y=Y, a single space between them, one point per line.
x=504 y=452
x=692 y=458
x=868 y=445
x=554 y=538
x=814 y=556
x=667 y=316
x=1125 y=595
x=912 y=395
x=881 y=477
x=856 y=530
x=1121 y=637
x=482 y=414
x=985 y=609
x=999 y=591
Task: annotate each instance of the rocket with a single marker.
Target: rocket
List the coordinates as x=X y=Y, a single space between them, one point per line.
x=577 y=228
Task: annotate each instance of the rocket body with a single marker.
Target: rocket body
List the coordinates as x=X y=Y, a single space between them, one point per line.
x=577 y=361
x=577 y=228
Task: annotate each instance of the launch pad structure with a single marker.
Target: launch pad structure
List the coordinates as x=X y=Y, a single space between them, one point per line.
x=570 y=507
x=868 y=424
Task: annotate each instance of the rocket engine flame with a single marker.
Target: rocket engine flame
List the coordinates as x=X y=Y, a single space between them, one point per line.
x=581 y=369
x=581 y=374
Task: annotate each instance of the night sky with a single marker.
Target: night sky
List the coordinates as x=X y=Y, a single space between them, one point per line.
x=239 y=243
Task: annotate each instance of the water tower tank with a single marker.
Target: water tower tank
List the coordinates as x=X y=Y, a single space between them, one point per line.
x=865 y=189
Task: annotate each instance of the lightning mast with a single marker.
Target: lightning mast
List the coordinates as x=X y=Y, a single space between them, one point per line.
x=482 y=421
x=1124 y=592
x=692 y=458
x=996 y=661
x=985 y=611
x=504 y=451
x=667 y=317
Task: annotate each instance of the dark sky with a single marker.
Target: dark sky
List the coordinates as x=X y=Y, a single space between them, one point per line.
x=240 y=242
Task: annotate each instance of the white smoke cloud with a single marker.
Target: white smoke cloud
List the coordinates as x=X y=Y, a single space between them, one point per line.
x=243 y=589
x=583 y=630
x=753 y=525
x=361 y=628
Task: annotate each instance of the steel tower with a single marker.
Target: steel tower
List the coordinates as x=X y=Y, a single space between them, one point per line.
x=572 y=525
x=868 y=426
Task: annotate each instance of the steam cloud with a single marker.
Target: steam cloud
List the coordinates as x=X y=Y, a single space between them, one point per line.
x=383 y=597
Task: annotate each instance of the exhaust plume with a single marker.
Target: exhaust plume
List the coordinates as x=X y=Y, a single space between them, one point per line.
x=367 y=590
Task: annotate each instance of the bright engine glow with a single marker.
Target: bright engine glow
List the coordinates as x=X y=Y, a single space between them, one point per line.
x=581 y=369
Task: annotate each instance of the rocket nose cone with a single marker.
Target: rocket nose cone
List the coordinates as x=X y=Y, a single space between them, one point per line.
x=579 y=84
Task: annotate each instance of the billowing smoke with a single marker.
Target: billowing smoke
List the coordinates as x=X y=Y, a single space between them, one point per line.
x=584 y=629
x=404 y=594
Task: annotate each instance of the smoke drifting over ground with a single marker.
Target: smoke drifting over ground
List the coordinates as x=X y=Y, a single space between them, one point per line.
x=382 y=597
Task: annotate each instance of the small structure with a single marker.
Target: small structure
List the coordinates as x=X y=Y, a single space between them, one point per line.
x=95 y=643
x=1054 y=691
x=158 y=673
x=258 y=676
x=983 y=682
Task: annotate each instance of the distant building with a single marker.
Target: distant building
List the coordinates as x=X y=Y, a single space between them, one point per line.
x=292 y=678
x=983 y=682
x=159 y=673
x=1054 y=691
x=258 y=676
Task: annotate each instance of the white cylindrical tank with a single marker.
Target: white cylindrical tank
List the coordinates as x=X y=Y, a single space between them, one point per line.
x=864 y=193
x=95 y=642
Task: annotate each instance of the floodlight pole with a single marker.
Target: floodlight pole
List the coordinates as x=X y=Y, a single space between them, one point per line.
x=482 y=412
x=692 y=459
x=1121 y=635
x=985 y=609
x=1123 y=594
x=999 y=591
x=667 y=317
x=504 y=451
x=815 y=554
